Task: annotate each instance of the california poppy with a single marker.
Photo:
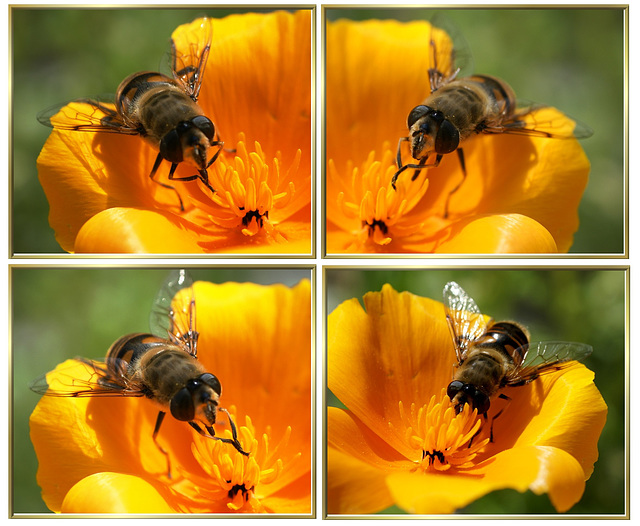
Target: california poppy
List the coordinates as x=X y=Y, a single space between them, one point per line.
x=257 y=92
x=97 y=455
x=399 y=440
x=520 y=195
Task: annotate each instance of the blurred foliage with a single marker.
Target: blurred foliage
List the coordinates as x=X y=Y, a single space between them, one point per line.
x=62 y=54
x=59 y=313
x=572 y=305
x=568 y=58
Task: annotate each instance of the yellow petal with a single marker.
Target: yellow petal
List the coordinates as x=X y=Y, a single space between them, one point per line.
x=114 y=493
x=348 y=434
x=132 y=230
x=354 y=486
x=390 y=351
x=543 y=470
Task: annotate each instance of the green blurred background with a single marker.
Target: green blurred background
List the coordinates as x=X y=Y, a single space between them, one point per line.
x=60 y=55
x=59 y=313
x=568 y=58
x=572 y=305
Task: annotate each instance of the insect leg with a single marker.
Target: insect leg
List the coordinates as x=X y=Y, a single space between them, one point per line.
x=156 y=429
x=156 y=165
x=417 y=167
x=464 y=176
x=504 y=397
x=215 y=156
x=480 y=430
x=211 y=433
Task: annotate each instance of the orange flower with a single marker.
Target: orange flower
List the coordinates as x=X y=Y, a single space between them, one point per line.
x=257 y=92
x=97 y=455
x=400 y=442
x=520 y=195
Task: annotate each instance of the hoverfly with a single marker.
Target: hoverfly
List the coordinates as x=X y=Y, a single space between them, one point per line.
x=162 y=366
x=493 y=355
x=459 y=108
x=161 y=109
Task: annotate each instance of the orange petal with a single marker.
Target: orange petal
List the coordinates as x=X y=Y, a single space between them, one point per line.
x=243 y=346
x=114 y=493
x=498 y=234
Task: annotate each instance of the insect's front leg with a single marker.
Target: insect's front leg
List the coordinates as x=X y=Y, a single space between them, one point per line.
x=417 y=167
x=210 y=433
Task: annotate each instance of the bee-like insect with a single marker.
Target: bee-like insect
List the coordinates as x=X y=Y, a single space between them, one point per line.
x=162 y=366
x=161 y=109
x=459 y=108
x=493 y=355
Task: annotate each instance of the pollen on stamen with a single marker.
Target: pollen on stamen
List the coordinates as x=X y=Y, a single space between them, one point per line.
x=441 y=438
x=236 y=478
x=249 y=189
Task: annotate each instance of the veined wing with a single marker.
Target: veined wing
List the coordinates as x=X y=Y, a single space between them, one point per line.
x=173 y=315
x=188 y=64
x=83 y=377
x=93 y=115
x=465 y=320
x=544 y=357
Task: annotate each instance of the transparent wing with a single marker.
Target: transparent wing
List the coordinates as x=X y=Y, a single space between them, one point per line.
x=93 y=115
x=173 y=315
x=538 y=120
x=544 y=357
x=84 y=377
x=466 y=322
x=450 y=57
x=189 y=58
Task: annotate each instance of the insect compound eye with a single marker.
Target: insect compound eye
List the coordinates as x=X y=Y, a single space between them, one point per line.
x=453 y=389
x=212 y=382
x=170 y=147
x=182 y=405
x=205 y=125
x=417 y=113
x=448 y=137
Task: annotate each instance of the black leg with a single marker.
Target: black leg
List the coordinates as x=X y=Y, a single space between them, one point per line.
x=155 y=436
x=464 y=176
x=417 y=167
x=156 y=165
x=210 y=433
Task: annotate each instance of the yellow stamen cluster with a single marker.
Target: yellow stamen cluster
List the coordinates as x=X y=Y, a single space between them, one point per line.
x=235 y=477
x=446 y=439
x=369 y=197
x=245 y=189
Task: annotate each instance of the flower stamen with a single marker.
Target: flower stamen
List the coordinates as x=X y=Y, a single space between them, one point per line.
x=444 y=438
x=368 y=196
x=248 y=190
x=234 y=477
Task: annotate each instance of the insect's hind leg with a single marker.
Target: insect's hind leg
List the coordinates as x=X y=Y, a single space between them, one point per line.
x=156 y=429
x=455 y=189
x=156 y=165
